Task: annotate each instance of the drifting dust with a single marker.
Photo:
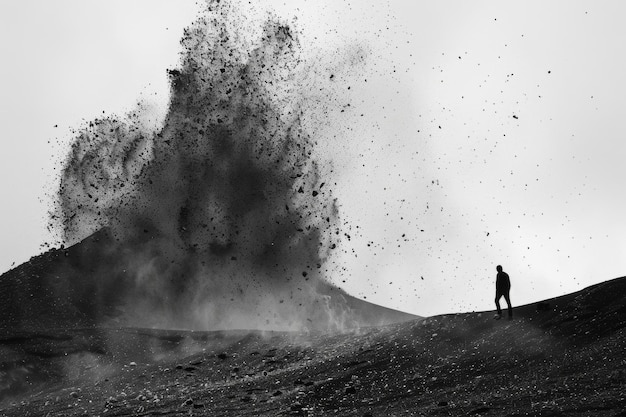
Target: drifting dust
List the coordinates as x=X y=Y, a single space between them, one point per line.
x=223 y=217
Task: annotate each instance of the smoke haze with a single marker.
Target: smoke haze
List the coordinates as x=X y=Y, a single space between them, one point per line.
x=222 y=217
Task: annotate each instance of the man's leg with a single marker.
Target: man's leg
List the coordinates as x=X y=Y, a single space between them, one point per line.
x=507 y=297
x=498 y=295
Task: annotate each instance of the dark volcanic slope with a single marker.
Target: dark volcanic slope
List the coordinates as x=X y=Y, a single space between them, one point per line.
x=565 y=356
x=83 y=286
x=57 y=288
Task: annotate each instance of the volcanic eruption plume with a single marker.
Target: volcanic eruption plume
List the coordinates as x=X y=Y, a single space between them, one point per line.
x=220 y=218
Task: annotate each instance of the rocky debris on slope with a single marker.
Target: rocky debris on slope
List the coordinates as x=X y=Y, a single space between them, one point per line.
x=461 y=364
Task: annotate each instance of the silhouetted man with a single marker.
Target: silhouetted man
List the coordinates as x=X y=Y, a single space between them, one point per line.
x=503 y=287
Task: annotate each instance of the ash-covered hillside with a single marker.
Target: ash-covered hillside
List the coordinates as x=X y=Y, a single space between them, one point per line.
x=564 y=356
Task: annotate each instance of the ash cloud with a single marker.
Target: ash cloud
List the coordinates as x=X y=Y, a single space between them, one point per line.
x=222 y=218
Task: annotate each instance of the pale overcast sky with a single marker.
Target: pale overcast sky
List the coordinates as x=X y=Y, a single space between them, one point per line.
x=491 y=133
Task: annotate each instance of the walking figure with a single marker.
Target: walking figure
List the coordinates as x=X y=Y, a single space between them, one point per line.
x=503 y=287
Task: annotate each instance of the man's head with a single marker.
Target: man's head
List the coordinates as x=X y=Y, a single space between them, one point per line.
x=499 y=268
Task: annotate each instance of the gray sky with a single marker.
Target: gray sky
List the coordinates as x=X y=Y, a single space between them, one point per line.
x=494 y=127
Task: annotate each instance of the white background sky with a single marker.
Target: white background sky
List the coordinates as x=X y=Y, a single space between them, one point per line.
x=438 y=148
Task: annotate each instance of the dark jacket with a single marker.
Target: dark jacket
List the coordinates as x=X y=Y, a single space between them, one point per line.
x=503 y=283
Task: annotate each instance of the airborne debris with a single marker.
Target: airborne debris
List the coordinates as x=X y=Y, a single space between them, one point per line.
x=209 y=185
